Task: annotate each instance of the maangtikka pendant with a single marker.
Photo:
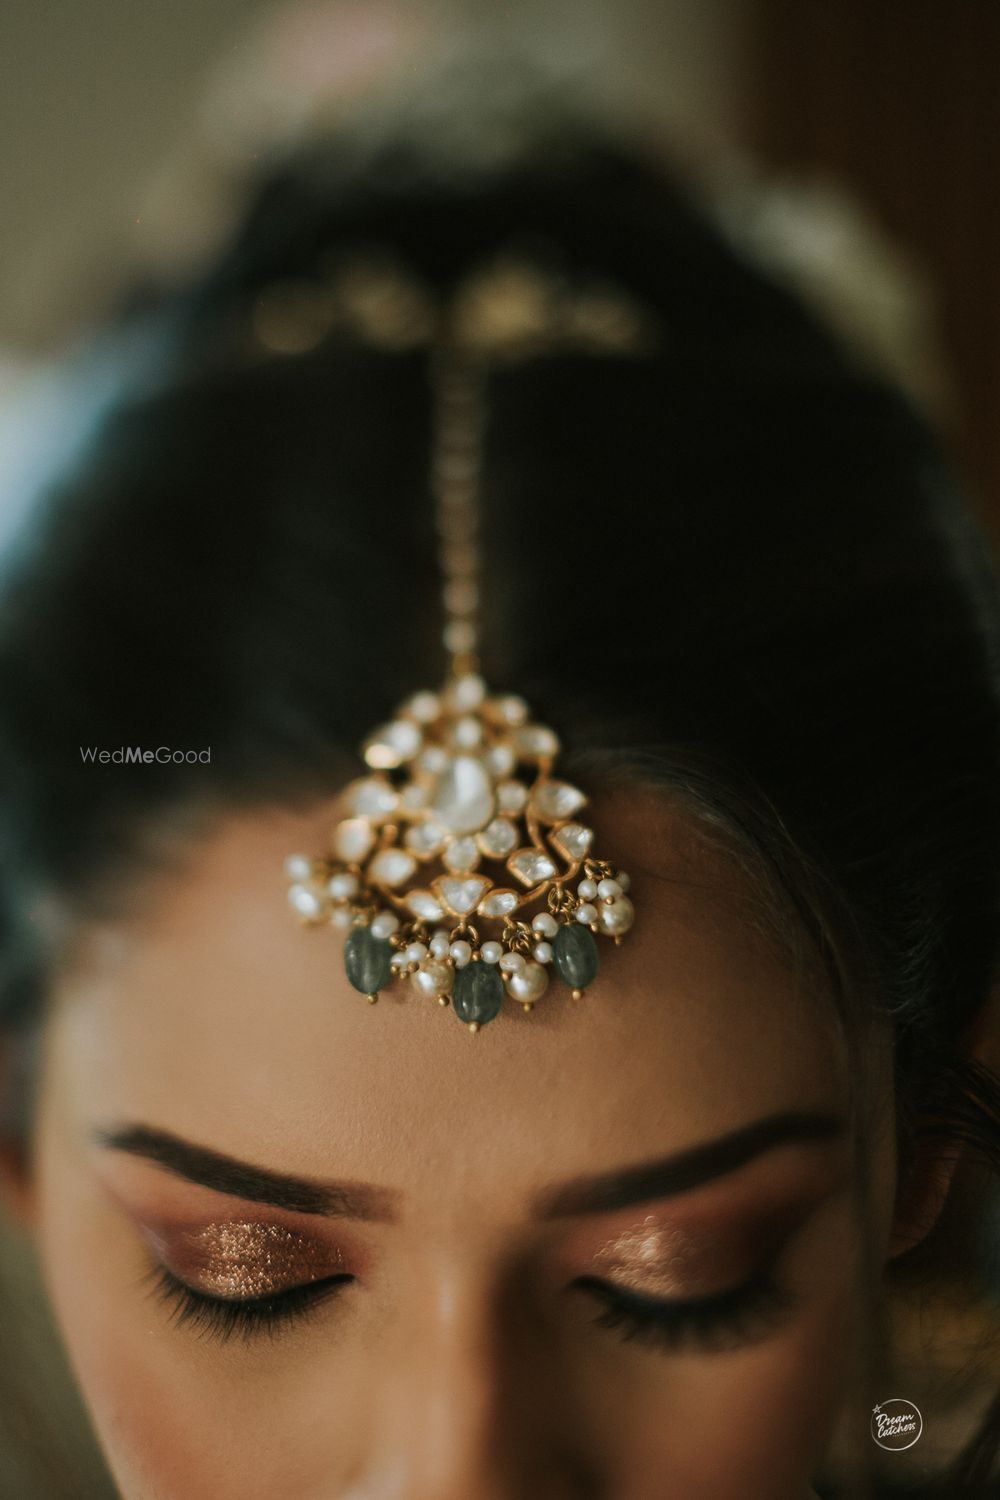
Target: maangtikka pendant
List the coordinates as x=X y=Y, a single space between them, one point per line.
x=463 y=863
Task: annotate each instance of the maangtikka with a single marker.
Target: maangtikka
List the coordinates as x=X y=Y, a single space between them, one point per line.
x=464 y=865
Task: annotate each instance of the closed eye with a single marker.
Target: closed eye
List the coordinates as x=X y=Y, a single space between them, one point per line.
x=224 y=1318
x=728 y=1320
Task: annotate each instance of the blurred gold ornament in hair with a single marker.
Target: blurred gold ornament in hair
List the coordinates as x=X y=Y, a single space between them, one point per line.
x=463 y=864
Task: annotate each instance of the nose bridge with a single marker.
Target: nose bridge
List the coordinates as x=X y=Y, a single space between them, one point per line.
x=465 y=1409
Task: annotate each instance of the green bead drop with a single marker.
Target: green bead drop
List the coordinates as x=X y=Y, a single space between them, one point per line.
x=368 y=960
x=477 y=994
x=575 y=956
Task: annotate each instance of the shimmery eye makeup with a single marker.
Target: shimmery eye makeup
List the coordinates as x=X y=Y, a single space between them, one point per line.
x=657 y=1260
x=647 y=1281
x=241 y=1277
x=243 y=1259
x=701 y=1283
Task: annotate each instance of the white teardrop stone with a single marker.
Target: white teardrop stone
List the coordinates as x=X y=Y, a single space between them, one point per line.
x=413 y=796
x=461 y=896
x=555 y=800
x=372 y=797
x=498 y=838
x=573 y=840
x=426 y=838
x=353 y=839
x=511 y=708
x=393 y=744
x=498 y=904
x=392 y=866
x=511 y=796
x=536 y=742
x=461 y=855
x=531 y=866
x=426 y=906
x=463 y=798
x=434 y=759
x=501 y=759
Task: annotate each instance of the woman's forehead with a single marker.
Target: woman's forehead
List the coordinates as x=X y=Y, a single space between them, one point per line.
x=215 y=1016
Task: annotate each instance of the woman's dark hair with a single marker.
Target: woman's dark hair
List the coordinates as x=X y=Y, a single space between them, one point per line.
x=735 y=566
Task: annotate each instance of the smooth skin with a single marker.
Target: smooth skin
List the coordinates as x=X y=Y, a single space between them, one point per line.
x=467 y=1191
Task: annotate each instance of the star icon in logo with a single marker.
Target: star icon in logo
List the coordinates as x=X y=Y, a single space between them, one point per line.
x=876 y=1411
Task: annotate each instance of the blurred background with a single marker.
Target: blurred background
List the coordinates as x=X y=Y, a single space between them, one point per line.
x=853 y=142
x=894 y=102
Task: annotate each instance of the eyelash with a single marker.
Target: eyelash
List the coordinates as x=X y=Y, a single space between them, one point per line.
x=223 y=1318
x=729 y=1320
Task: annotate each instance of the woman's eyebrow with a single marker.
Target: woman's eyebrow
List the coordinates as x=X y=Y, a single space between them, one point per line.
x=584 y=1195
x=689 y=1168
x=240 y=1179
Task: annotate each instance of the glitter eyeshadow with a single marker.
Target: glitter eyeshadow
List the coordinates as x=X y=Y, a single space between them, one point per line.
x=242 y=1260
x=656 y=1260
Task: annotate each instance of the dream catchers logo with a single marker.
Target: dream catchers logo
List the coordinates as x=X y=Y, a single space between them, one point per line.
x=896 y=1424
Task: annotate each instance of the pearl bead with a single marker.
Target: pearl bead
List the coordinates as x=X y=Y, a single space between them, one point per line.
x=492 y=953
x=461 y=952
x=586 y=914
x=528 y=983
x=586 y=890
x=384 y=924
x=433 y=978
x=304 y=900
x=608 y=889
x=343 y=887
x=545 y=925
x=342 y=917
x=543 y=952
x=440 y=944
x=416 y=953
x=511 y=962
x=298 y=867
x=623 y=880
x=617 y=916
